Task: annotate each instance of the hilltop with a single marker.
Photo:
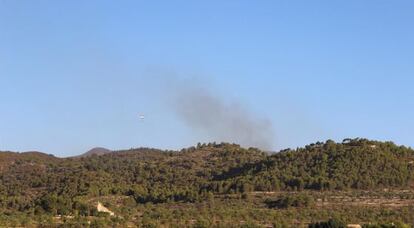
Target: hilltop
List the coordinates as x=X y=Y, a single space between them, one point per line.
x=98 y=151
x=46 y=185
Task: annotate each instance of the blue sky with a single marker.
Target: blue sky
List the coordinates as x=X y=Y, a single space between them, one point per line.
x=75 y=74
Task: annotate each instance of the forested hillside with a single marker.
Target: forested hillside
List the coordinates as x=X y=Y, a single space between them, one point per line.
x=353 y=164
x=40 y=184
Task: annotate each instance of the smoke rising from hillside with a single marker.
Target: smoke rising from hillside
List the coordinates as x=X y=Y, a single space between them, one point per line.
x=209 y=114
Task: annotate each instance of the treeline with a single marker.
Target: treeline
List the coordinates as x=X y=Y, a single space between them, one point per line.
x=40 y=184
x=352 y=164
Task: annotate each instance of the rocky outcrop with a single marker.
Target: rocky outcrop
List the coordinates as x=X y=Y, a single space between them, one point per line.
x=102 y=208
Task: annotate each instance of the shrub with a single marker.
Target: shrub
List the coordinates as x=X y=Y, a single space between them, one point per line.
x=331 y=223
x=286 y=201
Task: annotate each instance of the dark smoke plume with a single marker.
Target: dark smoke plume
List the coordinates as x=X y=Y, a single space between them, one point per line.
x=207 y=113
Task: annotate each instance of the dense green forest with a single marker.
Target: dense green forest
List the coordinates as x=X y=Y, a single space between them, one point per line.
x=145 y=186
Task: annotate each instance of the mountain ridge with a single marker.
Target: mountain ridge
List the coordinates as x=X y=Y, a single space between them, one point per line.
x=66 y=186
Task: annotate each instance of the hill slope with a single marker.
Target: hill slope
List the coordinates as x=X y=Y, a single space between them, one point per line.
x=353 y=164
x=62 y=186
